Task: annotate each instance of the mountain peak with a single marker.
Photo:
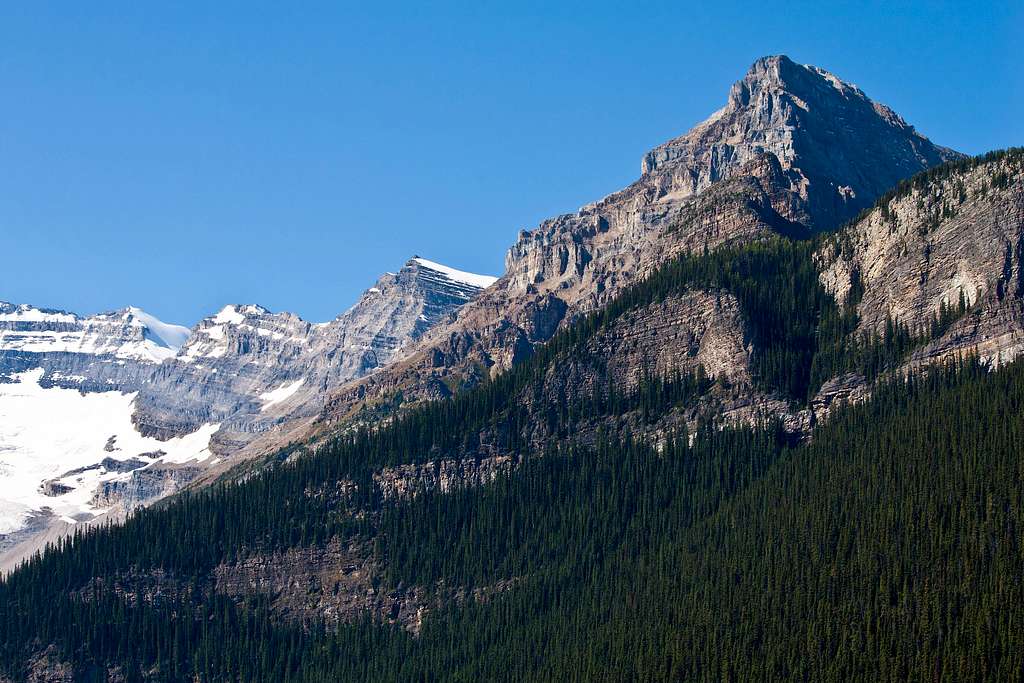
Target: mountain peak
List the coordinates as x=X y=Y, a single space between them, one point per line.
x=163 y=334
x=236 y=313
x=771 y=67
x=838 y=149
x=779 y=72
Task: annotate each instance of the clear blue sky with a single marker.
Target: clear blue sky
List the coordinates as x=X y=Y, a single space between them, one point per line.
x=179 y=156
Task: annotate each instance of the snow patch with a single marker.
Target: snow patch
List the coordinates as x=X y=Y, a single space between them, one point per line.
x=229 y=315
x=275 y=396
x=171 y=336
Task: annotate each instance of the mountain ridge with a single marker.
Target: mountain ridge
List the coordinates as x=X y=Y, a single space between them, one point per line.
x=128 y=332
x=388 y=522
x=752 y=170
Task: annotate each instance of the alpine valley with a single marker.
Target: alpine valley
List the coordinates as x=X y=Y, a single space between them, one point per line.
x=755 y=416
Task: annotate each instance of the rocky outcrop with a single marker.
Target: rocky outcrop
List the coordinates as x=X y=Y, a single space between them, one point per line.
x=937 y=243
x=145 y=485
x=794 y=150
x=442 y=476
x=336 y=583
x=851 y=387
x=327 y=584
x=677 y=334
x=951 y=241
x=682 y=334
x=47 y=666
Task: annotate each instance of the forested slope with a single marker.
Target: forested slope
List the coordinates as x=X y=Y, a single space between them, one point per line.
x=887 y=548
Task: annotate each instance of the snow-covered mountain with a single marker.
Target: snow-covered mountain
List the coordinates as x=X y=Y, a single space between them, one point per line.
x=106 y=412
x=67 y=387
x=63 y=451
x=130 y=333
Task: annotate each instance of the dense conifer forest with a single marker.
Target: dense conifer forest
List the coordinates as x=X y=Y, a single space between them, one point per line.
x=887 y=547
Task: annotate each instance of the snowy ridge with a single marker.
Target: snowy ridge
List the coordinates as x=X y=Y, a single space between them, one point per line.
x=130 y=333
x=480 y=281
x=30 y=314
x=220 y=335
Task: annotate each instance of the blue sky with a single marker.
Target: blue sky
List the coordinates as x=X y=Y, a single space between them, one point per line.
x=180 y=156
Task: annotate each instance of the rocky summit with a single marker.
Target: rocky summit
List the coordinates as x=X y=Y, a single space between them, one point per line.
x=837 y=149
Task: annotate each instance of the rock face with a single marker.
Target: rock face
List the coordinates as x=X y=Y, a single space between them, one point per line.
x=443 y=476
x=677 y=335
x=837 y=149
x=794 y=150
x=145 y=484
x=958 y=237
x=333 y=584
x=953 y=241
x=806 y=151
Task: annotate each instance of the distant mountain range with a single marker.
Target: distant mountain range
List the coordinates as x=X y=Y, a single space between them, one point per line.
x=141 y=398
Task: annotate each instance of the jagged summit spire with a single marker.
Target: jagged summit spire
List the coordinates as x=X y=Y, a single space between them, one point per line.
x=779 y=73
x=780 y=70
x=771 y=66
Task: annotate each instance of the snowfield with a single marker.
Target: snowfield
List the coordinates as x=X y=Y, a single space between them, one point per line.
x=47 y=433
